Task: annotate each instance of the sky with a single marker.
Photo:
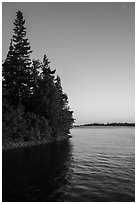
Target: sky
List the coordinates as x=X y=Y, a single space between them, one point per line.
x=92 y=47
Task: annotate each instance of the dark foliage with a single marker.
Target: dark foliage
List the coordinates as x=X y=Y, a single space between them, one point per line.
x=34 y=105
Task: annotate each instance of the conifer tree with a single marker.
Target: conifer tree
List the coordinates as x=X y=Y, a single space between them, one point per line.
x=36 y=95
x=9 y=76
x=17 y=65
x=6 y=72
x=46 y=87
x=63 y=98
x=65 y=116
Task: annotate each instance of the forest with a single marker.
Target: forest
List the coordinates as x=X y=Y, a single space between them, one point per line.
x=34 y=106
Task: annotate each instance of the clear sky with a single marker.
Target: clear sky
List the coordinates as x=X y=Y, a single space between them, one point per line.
x=92 y=47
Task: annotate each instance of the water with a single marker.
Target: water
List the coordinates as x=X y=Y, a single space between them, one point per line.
x=97 y=164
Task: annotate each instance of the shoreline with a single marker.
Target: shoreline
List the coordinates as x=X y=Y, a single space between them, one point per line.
x=105 y=125
x=21 y=145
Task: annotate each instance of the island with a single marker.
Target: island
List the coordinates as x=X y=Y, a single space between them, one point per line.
x=35 y=108
x=105 y=124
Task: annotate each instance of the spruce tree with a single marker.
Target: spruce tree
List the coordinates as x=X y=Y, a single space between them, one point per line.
x=17 y=65
x=63 y=98
x=9 y=85
x=36 y=95
x=46 y=87
x=65 y=116
x=6 y=71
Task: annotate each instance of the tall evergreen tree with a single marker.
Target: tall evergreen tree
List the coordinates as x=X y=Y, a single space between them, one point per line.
x=17 y=66
x=63 y=98
x=36 y=92
x=7 y=72
x=65 y=116
x=46 y=87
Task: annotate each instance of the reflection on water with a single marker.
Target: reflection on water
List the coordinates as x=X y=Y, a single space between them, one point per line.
x=97 y=164
x=37 y=174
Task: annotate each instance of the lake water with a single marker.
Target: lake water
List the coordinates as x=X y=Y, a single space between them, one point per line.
x=97 y=164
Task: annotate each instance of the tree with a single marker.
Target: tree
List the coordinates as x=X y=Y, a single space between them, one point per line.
x=17 y=73
x=36 y=92
x=45 y=88
x=65 y=116
x=8 y=84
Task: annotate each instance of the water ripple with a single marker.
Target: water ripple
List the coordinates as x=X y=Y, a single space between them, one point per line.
x=96 y=165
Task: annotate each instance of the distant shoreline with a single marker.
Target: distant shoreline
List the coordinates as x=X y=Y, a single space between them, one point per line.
x=106 y=124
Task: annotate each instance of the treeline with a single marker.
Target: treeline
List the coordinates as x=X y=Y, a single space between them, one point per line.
x=107 y=124
x=34 y=106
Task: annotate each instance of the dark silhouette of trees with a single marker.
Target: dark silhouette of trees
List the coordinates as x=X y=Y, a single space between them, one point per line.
x=17 y=66
x=34 y=105
x=106 y=124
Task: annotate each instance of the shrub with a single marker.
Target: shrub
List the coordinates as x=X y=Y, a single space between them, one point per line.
x=18 y=126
